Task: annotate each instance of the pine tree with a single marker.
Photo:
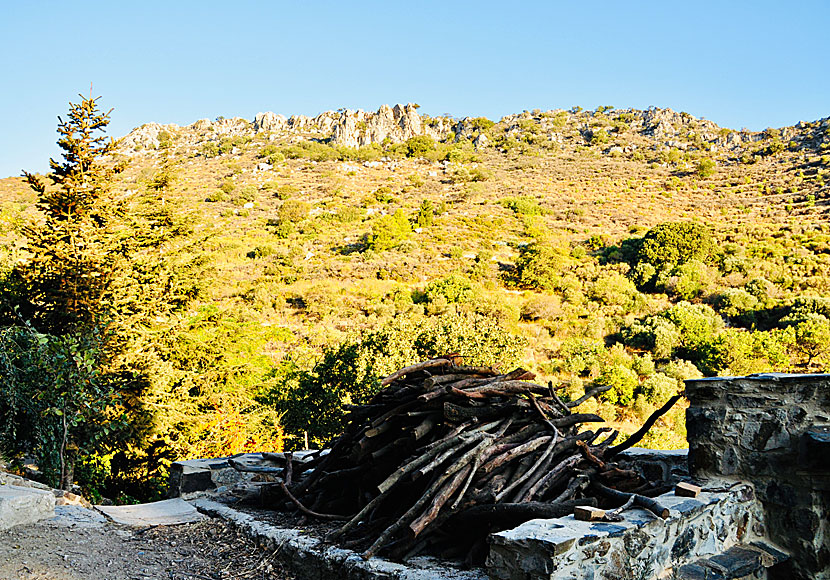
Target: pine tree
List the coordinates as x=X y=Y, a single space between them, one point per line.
x=73 y=251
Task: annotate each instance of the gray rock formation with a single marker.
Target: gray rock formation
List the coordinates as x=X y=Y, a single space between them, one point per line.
x=146 y=136
x=232 y=127
x=358 y=128
x=663 y=123
x=270 y=122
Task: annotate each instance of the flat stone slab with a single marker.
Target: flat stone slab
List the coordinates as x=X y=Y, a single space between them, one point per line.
x=77 y=516
x=24 y=505
x=160 y=513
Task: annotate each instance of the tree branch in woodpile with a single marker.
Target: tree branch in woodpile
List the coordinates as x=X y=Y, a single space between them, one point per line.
x=641 y=432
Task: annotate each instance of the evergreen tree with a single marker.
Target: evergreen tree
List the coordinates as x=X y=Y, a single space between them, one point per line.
x=73 y=252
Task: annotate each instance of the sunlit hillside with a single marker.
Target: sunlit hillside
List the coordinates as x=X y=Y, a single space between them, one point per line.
x=306 y=233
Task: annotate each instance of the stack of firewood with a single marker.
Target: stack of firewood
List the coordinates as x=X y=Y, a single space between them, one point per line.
x=445 y=454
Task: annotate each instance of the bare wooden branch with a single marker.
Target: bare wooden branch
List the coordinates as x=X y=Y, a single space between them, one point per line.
x=592 y=393
x=641 y=432
x=305 y=510
x=429 y=364
x=644 y=502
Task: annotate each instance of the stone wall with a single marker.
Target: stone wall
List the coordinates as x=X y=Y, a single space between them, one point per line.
x=641 y=546
x=774 y=431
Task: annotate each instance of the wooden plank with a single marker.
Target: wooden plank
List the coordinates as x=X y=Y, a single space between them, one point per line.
x=588 y=513
x=684 y=489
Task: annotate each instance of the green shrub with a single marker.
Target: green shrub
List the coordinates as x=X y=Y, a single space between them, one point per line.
x=293 y=210
x=383 y=194
x=419 y=146
x=481 y=124
x=539 y=266
x=598 y=137
x=244 y=194
x=228 y=185
x=425 y=214
x=55 y=403
x=705 y=168
x=643 y=365
x=165 y=139
x=349 y=214
x=209 y=149
x=735 y=352
x=812 y=340
x=686 y=281
x=613 y=289
x=735 y=302
x=581 y=356
x=453 y=289
x=658 y=388
x=312 y=400
x=654 y=333
x=696 y=323
x=681 y=370
x=389 y=232
x=523 y=205
x=622 y=381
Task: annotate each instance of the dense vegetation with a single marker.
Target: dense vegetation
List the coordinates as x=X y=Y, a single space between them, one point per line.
x=180 y=299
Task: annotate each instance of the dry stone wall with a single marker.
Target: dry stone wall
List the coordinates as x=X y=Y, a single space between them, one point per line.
x=774 y=431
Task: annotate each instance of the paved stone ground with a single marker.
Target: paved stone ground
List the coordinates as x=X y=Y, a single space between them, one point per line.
x=79 y=544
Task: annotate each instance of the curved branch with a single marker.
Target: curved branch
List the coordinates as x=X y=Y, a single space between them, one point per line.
x=641 y=432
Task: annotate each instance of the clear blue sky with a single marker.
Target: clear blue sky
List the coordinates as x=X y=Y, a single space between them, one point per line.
x=747 y=64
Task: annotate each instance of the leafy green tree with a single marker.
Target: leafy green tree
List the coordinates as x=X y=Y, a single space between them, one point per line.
x=313 y=400
x=622 y=381
x=812 y=339
x=56 y=404
x=675 y=243
x=99 y=277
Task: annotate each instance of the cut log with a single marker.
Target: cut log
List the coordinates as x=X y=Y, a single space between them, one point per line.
x=588 y=513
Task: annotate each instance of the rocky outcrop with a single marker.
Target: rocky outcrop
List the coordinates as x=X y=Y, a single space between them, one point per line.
x=663 y=123
x=146 y=136
x=398 y=123
x=231 y=127
x=358 y=128
x=270 y=122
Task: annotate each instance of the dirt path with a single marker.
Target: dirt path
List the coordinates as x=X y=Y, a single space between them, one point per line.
x=80 y=545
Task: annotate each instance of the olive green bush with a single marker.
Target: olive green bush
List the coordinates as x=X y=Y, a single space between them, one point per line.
x=313 y=399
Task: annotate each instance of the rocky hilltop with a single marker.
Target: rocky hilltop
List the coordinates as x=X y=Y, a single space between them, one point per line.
x=617 y=131
x=347 y=128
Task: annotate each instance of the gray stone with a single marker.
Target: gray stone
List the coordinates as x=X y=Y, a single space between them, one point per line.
x=24 y=505
x=160 y=513
x=737 y=562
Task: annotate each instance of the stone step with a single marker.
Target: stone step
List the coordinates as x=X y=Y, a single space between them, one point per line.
x=737 y=563
x=24 y=505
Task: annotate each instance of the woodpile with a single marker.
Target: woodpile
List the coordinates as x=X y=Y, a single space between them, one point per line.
x=445 y=454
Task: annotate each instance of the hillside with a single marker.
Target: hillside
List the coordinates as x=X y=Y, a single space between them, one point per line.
x=311 y=230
